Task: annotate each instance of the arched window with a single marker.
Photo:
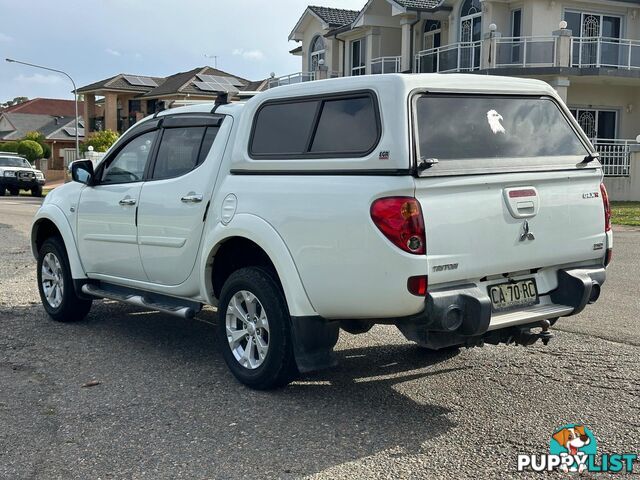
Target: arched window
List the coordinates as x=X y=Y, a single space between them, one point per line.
x=432 y=36
x=470 y=34
x=317 y=52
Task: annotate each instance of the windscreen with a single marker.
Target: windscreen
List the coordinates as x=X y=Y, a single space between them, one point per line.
x=14 y=162
x=462 y=127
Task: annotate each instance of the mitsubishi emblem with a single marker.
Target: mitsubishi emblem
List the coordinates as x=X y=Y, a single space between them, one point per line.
x=526 y=234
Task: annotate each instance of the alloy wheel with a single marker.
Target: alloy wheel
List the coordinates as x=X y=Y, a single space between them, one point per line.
x=247 y=328
x=52 y=280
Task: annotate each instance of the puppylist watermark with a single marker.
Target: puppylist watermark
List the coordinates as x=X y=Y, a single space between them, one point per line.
x=573 y=448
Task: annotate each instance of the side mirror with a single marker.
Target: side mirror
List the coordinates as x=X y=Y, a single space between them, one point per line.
x=82 y=171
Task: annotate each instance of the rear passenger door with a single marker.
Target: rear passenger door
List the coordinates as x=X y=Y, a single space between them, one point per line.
x=176 y=196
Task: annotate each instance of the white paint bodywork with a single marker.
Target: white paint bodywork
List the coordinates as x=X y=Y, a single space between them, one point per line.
x=317 y=230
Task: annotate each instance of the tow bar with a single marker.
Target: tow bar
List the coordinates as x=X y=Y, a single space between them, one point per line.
x=525 y=337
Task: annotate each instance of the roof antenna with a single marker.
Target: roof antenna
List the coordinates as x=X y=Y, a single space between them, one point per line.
x=221 y=99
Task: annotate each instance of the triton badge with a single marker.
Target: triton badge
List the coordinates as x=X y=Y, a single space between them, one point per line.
x=526 y=234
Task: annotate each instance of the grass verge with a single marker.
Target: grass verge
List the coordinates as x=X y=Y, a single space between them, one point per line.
x=625 y=213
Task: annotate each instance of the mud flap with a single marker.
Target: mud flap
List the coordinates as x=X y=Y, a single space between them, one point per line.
x=313 y=341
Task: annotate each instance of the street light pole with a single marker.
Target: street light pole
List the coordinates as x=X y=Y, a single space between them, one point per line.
x=75 y=94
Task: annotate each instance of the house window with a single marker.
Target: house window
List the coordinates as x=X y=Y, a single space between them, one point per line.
x=516 y=23
x=318 y=51
x=358 y=58
x=432 y=36
x=470 y=34
x=597 y=123
x=590 y=28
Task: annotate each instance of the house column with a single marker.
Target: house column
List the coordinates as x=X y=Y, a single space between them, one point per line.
x=89 y=111
x=563 y=47
x=490 y=49
x=111 y=111
x=406 y=62
x=561 y=85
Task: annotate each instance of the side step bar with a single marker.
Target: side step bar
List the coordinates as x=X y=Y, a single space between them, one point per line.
x=140 y=299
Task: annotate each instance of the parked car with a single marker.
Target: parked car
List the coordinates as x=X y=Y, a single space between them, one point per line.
x=463 y=209
x=16 y=173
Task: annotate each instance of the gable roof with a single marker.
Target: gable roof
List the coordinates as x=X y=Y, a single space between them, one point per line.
x=334 y=17
x=46 y=106
x=51 y=126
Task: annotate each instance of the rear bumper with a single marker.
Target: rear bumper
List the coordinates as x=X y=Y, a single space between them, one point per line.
x=453 y=316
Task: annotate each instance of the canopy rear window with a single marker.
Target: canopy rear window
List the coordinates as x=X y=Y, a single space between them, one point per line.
x=484 y=133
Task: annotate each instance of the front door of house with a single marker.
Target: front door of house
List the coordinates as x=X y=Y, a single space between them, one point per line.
x=598 y=124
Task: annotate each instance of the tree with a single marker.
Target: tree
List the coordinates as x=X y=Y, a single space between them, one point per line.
x=39 y=138
x=15 y=101
x=100 y=141
x=30 y=149
x=9 y=147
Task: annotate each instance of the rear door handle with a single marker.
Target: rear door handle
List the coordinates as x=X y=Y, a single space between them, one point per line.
x=191 y=198
x=127 y=201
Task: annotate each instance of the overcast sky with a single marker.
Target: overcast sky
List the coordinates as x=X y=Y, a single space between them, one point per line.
x=95 y=39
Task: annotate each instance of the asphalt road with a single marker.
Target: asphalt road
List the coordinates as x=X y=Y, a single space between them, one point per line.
x=166 y=407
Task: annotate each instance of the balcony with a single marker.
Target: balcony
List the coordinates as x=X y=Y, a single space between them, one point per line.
x=525 y=52
x=96 y=123
x=615 y=155
x=385 y=65
x=596 y=52
x=301 y=77
x=457 y=57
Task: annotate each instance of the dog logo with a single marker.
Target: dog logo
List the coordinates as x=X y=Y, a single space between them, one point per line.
x=526 y=234
x=494 y=119
x=573 y=443
x=573 y=448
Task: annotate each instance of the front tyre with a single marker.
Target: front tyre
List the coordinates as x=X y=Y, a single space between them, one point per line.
x=36 y=192
x=14 y=191
x=254 y=330
x=55 y=284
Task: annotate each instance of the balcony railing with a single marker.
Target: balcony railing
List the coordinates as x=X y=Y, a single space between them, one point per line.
x=385 y=65
x=615 y=155
x=595 y=52
x=457 y=57
x=301 y=77
x=526 y=51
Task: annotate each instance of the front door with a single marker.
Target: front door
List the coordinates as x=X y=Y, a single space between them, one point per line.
x=175 y=199
x=107 y=236
x=598 y=124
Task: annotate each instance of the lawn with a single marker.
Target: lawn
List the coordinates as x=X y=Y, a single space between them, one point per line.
x=625 y=213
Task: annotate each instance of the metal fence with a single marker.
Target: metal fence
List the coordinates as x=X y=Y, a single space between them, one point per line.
x=615 y=155
x=457 y=57
x=385 y=65
x=526 y=51
x=595 y=52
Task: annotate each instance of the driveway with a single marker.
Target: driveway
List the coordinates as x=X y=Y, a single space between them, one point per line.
x=166 y=407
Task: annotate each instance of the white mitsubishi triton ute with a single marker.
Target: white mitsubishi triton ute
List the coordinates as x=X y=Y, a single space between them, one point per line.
x=463 y=209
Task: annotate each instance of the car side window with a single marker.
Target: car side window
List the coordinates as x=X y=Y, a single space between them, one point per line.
x=181 y=150
x=129 y=164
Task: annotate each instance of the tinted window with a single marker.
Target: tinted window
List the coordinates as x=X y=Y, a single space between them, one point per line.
x=465 y=127
x=283 y=128
x=347 y=125
x=340 y=127
x=179 y=151
x=128 y=165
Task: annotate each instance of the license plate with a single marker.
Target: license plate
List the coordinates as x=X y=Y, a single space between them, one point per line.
x=507 y=296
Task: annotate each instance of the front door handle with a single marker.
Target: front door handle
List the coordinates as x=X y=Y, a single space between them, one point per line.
x=127 y=201
x=191 y=198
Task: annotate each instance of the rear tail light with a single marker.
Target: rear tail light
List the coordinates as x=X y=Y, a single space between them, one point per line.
x=400 y=220
x=607 y=208
x=607 y=220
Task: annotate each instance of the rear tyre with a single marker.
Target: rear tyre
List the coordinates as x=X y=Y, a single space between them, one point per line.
x=36 y=192
x=55 y=284
x=2 y=190
x=14 y=191
x=254 y=330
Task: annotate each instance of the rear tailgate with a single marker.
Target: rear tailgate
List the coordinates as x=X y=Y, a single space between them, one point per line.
x=475 y=229
x=506 y=186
